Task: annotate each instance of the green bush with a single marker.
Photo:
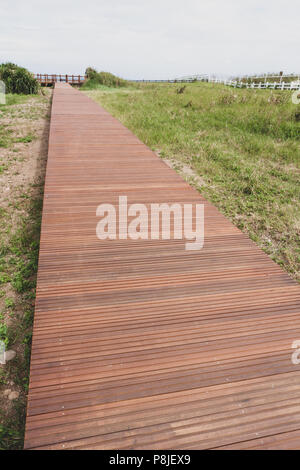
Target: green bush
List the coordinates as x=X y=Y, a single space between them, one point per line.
x=95 y=78
x=18 y=79
x=90 y=72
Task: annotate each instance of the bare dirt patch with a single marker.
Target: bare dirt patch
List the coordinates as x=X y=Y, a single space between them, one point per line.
x=186 y=172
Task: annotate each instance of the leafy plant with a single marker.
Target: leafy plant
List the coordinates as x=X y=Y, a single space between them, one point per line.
x=9 y=303
x=95 y=78
x=3 y=333
x=18 y=79
x=90 y=72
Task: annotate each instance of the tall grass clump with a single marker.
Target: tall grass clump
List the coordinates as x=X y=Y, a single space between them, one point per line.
x=94 y=79
x=18 y=79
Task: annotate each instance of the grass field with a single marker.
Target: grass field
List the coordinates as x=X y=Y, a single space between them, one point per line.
x=240 y=148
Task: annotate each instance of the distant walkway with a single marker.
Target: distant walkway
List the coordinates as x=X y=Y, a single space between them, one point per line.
x=143 y=344
x=50 y=79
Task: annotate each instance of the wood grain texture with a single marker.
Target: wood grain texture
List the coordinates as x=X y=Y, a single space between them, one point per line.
x=142 y=344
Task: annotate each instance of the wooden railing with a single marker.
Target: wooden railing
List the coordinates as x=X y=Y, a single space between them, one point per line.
x=46 y=79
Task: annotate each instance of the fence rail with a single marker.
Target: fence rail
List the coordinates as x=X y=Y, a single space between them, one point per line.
x=47 y=79
x=243 y=78
x=261 y=85
x=281 y=85
x=267 y=77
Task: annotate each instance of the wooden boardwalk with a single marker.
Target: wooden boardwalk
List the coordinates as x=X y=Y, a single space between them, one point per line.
x=51 y=79
x=142 y=344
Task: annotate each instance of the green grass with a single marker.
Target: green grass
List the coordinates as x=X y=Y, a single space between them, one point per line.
x=12 y=109
x=12 y=98
x=8 y=109
x=25 y=140
x=7 y=140
x=91 y=85
x=5 y=136
x=244 y=144
x=19 y=258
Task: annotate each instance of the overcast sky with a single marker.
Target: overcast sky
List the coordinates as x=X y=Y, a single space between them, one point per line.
x=153 y=39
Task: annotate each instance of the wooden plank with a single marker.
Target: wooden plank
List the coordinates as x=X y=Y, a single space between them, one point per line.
x=142 y=344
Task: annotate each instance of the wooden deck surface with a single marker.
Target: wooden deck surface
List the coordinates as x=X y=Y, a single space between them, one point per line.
x=142 y=344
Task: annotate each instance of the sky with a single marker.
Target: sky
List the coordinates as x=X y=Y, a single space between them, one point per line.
x=157 y=39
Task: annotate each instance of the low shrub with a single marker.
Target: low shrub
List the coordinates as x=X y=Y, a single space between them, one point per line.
x=90 y=72
x=18 y=79
x=103 y=78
